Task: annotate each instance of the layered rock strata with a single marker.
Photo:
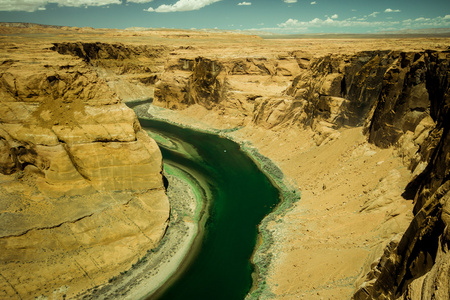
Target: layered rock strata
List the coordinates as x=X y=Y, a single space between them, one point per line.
x=230 y=86
x=81 y=185
x=297 y=106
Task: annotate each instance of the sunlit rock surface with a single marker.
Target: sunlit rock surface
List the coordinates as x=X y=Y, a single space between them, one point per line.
x=81 y=185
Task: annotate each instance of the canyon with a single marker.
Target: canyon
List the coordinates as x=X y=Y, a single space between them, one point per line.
x=359 y=127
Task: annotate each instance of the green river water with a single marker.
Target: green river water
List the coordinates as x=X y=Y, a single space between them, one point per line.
x=239 y=197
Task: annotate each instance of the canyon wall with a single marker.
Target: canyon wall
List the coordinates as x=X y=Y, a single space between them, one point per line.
x=231 y=86
x=417 y=265
x=80 y=181
x=82 y=185
x=129 y=70
x=399 y=99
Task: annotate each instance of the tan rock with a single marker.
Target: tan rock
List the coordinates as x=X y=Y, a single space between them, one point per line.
x=81 y=185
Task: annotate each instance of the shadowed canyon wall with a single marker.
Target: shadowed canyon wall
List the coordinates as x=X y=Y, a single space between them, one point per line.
x=128 y=70
x=417 y=92
x=80 y=181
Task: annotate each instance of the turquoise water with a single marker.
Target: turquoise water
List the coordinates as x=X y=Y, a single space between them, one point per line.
x=240 y=196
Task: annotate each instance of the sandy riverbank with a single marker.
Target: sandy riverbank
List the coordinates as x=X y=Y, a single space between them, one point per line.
x=289 y=193
x=350 y=207
x=160 y=265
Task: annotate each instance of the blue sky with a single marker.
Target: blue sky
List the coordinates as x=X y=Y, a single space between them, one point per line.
x=278 y=16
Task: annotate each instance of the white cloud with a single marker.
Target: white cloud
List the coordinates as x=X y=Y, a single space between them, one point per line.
x=182 y=5
x=374 y=14
x=297 y=26
x=245 y=3
x=289 y=23
x=335 y=16
x=33 y=5
x=388 y=10
x=313 y=3
x=315 y=23
x=140 y=1
x=290 y=1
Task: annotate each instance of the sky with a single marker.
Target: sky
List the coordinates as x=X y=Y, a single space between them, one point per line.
x=277 y=16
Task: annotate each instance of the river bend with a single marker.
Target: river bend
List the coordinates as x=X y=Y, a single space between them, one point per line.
x=238 y=196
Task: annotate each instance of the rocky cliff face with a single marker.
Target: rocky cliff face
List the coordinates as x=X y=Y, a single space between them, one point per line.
x=417 y=266
x=227 y=85
x=199 y=85
x=128 y=70
x=80 y=181
x=400 y=99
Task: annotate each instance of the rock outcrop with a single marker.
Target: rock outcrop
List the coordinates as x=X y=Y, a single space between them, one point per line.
x=226 y=85
x=80 y=181
x=130 y=71
x=198 y=84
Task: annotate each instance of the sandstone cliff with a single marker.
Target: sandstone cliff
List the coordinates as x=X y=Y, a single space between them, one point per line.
x=129 y=70
x=80 y=181
x=400 y=99
x=232 y=86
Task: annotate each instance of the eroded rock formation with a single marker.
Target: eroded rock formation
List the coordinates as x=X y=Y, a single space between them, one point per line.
x=130 y=71
x=81 y=185
x=198 y=84
x=232 y=86
x=417 y=266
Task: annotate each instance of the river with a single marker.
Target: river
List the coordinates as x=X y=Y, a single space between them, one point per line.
x=239 y=196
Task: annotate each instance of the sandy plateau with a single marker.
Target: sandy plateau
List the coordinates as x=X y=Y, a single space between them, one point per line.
x=351 y=123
